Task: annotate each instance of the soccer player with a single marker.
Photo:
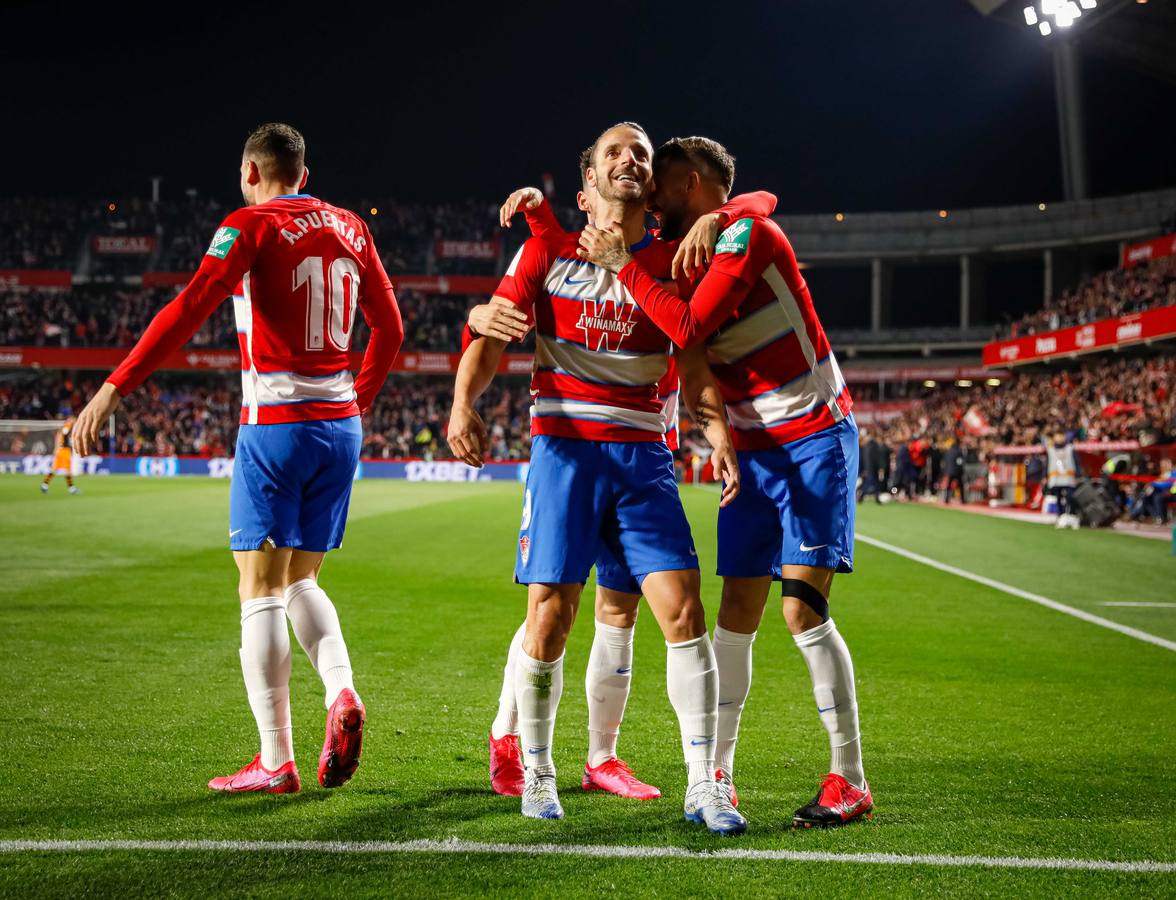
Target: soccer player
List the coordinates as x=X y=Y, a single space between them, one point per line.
x=305 y=267
x=609 y=674
x=62 y=458
x=601 y=476
x=789 y=409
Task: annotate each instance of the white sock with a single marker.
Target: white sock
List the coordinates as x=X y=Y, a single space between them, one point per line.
x=733 y=658
x=831 y=669
x=316 y=625
x=265 y=664
x=507 y=720
x=692 y=681
x=607 y=683
x=538 y=686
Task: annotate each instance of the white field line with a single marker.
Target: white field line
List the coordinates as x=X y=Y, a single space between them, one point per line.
x=1024 y=595
x=1139 y=603
x=599 y=851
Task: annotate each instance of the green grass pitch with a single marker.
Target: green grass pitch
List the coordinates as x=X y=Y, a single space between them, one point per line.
x=991 y=726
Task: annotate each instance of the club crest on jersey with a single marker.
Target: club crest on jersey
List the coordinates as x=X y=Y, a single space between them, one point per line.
x=606 y=323
x=222 y=241
x=524 y=549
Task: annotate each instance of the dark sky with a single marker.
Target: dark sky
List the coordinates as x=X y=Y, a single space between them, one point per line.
x=858 y=105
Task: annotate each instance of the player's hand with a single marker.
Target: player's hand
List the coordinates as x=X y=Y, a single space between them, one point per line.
x=604 y=247
x=523 y=198
x=726 y=468
x=89 y=424
x=499 y=319
x=467 y=435
x=697 y=249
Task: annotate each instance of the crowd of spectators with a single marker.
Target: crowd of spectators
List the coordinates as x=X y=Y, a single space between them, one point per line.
x=1128 y=399
x=41 y=233
x=95 y=315
x=113 y=315
x=1107 y=295
x=952 y=431
x=44 y=233
x=197 y=414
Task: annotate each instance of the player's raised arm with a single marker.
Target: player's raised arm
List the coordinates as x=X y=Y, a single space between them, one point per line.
x=228 y=258
x=701 y=395
x=378 y=304
x=686 y=323
x=696 y=250
x=525 y=199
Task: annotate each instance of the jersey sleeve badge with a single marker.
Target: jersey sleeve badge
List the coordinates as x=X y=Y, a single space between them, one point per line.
x=736 y=238
x=222 y=241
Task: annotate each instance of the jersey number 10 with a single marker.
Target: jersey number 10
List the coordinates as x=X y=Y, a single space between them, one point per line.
x=331 y=300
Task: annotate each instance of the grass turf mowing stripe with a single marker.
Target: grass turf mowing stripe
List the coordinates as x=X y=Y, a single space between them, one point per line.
x=1024 y=595
x=601 y=851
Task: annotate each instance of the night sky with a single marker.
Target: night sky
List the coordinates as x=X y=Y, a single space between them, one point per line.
x=849 y=106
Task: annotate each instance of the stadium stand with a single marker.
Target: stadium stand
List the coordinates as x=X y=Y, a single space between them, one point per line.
x=107 y=252
x=1106 y=295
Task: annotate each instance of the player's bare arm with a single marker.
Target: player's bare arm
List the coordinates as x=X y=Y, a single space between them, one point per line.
x=701 y=394
x=91 y=419
x=467 y=435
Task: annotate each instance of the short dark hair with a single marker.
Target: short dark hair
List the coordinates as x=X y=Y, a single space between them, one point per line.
x=279 y=151
x=710 y=158
x=588 y=155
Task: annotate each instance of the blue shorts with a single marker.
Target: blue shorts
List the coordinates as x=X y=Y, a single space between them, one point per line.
x=613 y=574
x=796 y=506
x=592 y=500
x=292 y=484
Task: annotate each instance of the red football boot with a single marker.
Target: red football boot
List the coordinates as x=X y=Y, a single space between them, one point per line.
x=506 y=766
x=615 y=776
x=837 y=803
x=344 y=740
x=728 y=785
x=257 y=778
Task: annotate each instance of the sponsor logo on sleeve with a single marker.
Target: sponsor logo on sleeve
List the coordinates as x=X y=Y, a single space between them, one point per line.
x=222 y=241
x=735 y=238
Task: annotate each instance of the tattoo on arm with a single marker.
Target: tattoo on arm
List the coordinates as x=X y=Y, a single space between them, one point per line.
x=615 y=258
x=701 y=413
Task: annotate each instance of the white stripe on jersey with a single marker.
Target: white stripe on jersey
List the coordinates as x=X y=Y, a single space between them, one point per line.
x=278 y=388
x=599 y=412
x=514 y=263
x=767 y=324
x=633 y=369
x=580 y=281
x=789 y=401
x=243 y=313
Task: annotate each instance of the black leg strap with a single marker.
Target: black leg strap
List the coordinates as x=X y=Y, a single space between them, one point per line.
x=808 y=595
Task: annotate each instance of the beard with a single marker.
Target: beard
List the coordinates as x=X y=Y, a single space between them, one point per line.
x=673 y=225
x=612 y=192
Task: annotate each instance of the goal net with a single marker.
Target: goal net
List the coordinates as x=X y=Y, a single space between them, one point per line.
x=28 y=436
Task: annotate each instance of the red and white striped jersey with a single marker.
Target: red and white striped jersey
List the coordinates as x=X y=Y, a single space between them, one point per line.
x=598 y=358
x=667 y=393
x=302 y=268
x=769 y=353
